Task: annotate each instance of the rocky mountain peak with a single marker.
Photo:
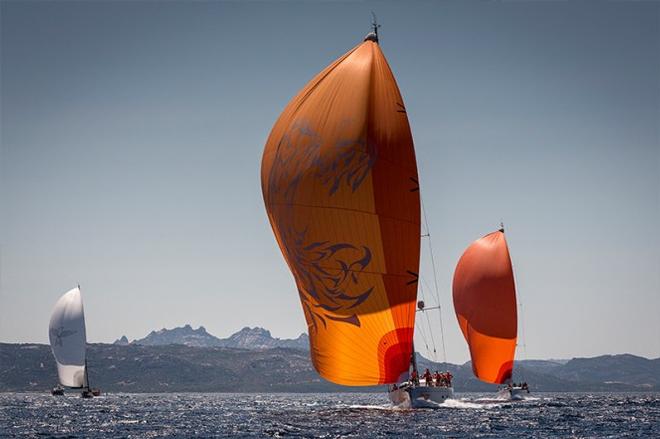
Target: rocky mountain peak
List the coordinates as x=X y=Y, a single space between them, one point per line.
x=184 y=335
x=123 y=341
x=256 y=338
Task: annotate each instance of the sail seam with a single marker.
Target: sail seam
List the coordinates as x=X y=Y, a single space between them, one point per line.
x=380 y=273
x=311 y=206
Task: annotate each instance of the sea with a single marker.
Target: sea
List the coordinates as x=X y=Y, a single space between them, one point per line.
x=359 y=415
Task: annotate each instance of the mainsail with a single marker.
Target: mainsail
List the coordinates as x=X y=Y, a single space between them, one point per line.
x=485 y=304
x=68 y=339
x=339 y=180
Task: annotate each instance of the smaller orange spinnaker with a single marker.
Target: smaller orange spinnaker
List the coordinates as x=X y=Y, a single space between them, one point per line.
x=485 y=304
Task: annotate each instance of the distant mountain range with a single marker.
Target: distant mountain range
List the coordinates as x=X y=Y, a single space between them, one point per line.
x=251 y=360
x=247 y=338
x=622 y=372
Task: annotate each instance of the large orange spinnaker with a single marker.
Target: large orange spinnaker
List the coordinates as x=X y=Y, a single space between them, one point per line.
x=485 y=305
x=339 y=180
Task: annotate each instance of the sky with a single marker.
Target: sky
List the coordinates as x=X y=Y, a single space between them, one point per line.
x=132 y=134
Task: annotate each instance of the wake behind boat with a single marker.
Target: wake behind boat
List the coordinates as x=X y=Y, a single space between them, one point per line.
x=68 y=342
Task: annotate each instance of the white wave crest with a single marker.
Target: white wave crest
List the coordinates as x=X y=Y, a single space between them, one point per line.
x=373 y=407
x=466 y=404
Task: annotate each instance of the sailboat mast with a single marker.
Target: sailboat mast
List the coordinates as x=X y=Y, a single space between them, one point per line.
x=435 y=283
x=521 y=320
x=86 y=374
x=374 y=25
x=413 y=359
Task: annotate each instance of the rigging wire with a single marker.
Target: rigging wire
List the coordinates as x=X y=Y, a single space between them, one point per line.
x=524 y=340
x=421 y=327
x=424 y=339
x=434 y=353
x=522 y=332
x=435 y=279
x=523 y=345
x=428 y=322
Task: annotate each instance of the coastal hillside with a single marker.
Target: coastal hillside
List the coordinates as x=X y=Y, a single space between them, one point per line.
x=169 y=368
x=180 y=368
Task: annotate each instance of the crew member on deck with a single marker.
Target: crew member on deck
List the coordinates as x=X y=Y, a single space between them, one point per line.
x=428 y=378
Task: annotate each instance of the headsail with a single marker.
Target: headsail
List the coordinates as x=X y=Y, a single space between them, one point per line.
x=485 y=304
x=68 y=339
x=339 y=180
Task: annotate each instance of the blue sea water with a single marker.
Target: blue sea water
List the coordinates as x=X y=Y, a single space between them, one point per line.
x=327 y=415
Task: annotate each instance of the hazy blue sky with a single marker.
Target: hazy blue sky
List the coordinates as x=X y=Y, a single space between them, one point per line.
x=132 y=135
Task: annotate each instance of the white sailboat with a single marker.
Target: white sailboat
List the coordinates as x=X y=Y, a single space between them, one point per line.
x=68 y=341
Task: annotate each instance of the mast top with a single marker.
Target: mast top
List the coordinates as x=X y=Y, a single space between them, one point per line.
x=373 y=35
x=501 y=226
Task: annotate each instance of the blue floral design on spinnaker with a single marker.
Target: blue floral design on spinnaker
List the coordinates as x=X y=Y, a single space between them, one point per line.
x=350 y=161
x=326 y=271
x=58 y=334
x=329 y=273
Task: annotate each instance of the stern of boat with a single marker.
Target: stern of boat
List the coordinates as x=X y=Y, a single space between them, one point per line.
x=420 y=396
x=57 y=391
x=512 y=393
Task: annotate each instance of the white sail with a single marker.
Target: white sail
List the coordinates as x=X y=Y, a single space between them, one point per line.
x=68 y=339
